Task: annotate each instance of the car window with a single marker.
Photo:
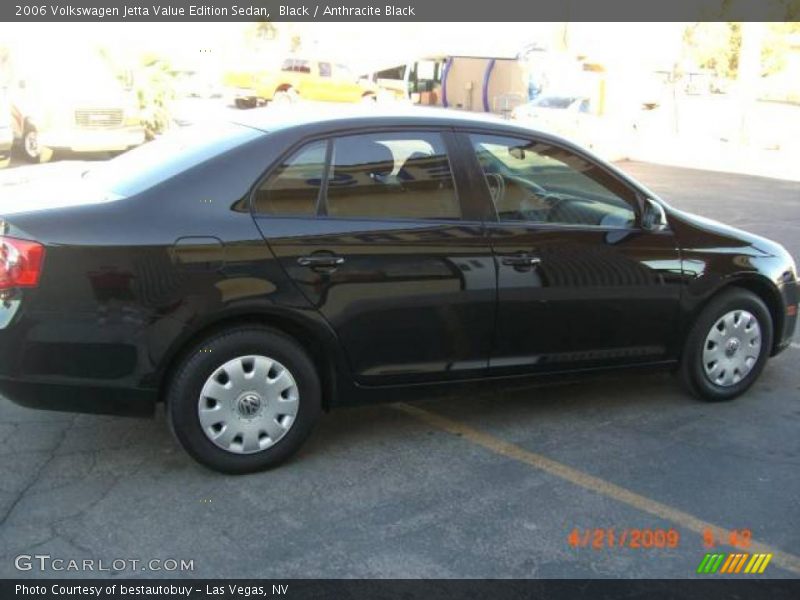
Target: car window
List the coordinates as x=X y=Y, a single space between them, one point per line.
x=541 y=183
x=288 y=65
x=554 y=101
x=293 y=188
x=391 y=175
x=324 y=69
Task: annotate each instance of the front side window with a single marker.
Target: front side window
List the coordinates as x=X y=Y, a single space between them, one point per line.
x=293 y=188
x=539 y=183
x=391 y=175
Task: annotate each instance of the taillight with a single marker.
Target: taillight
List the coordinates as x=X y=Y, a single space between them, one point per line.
x=21 y=263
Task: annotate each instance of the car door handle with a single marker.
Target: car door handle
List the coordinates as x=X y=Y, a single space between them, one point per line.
x=521 y=260
x=320 y=260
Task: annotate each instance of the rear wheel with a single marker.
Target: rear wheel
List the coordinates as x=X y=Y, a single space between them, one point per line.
x=244 y=400
x=728 y=346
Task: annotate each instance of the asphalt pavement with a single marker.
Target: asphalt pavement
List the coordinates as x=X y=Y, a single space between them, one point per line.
x=484 y=485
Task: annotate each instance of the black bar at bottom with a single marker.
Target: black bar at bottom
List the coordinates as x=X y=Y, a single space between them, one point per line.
x=388 y=589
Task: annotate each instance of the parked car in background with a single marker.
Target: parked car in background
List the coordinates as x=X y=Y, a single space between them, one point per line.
x=563 y=114
x=253 y=275
x=576 y=117
x=299 y=77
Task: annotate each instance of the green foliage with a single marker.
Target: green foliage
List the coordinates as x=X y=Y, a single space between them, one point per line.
x=716 y=46
x=154 y=87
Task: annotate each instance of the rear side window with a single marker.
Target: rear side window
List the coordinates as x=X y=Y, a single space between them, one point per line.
x=403 y=175
x=293 y=189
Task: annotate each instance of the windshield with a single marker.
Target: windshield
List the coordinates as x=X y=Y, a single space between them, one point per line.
x=162 y=159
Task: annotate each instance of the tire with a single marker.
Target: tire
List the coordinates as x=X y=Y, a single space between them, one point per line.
x=30 y=148
x=287 y=96
x=249 y=407
x=245 y=103
x=721 y=366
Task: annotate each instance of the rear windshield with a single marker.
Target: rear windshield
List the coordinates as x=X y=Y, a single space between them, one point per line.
x=161 y=159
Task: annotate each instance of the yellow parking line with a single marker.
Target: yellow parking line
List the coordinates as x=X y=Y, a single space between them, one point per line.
x=785 y=560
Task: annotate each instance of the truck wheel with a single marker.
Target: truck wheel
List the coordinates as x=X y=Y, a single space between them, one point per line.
x=287 y=96
x=32 y=151
x=244 y=400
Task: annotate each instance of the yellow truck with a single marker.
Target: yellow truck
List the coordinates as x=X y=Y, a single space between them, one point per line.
x=296 y=78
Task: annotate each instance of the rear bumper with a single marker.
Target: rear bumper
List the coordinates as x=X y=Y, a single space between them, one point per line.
x=103 y=400
x=92 y=140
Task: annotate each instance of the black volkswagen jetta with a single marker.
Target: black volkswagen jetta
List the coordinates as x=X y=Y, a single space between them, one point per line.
x=252 y=275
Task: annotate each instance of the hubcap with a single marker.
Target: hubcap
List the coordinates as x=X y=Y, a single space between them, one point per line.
x=248 y=404
x=732 y=348
x=32 y=144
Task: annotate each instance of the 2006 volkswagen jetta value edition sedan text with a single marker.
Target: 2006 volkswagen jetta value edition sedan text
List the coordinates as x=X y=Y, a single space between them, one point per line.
x=252 y=275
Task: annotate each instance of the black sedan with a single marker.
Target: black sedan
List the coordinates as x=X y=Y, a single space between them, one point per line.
x=253 y=275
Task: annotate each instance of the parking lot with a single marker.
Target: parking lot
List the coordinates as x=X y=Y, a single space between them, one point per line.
x=486 y=485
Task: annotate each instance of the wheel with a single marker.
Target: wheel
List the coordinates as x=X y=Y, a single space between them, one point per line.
x=245 y=103
x=727 y=347
x=244 y=400
x=369 y=99
x=287 y=96
x=32 y=151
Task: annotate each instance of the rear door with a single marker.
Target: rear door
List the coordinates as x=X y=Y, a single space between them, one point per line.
x=378 y=235
x=580 y=283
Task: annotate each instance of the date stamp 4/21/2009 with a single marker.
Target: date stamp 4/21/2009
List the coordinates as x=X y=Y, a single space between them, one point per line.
x=609 y=537
x=599 y=538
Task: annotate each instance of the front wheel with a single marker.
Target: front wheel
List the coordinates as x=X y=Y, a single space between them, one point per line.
x=244 y=400
x=727 y=347
x=32 y=150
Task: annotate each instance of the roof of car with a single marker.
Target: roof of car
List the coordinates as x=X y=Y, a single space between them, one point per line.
x=274 y=118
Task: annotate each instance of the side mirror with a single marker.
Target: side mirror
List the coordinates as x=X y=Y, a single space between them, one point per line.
x=654 y=218
x=517 y=152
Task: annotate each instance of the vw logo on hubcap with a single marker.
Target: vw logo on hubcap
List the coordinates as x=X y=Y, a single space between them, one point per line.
x=732 y=346
x=249 y=405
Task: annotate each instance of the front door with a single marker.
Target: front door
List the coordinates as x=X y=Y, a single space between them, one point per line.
x=372 y=230
x=580 y=283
